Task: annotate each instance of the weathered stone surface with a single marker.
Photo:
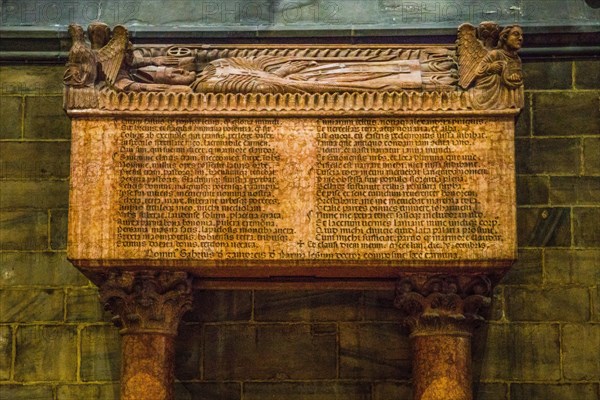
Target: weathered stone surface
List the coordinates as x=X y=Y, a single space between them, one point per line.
x=45 y=118
x=23 y=230
x=527 y=270
x=572 y=391
x=545 y=75
x=31 y=305
x=83 y=305
x=550 y=156
x=571 y=190
x=220 y=305
x=566 y=113
x=379 y=306
x=34 y=194
x=6 y=343
x=391 y=390
x=581 y=346
x=11 y=110
x=550 y=304
x=308 y=391
x=37 y=360
x=572 y=266
x=100 y=353
x=22 y=268
x=523 y=120
x=307 y=306
x=188 y=350
x=595 y=303
x=208 y=391
x=295 y=351
x=591 y=156
x=32 y=79
x=519 y=352
x=58 y=229
x=544 y=227
x=585 y=227
x=370 y=350
x=27 y=392
x=491 y=391
x=587 y=74
x=532 y=190
x=106 y=391
x=34 y=160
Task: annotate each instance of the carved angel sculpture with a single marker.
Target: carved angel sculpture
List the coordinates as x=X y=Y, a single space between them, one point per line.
x=81 y=66
x=491 y=71
x=102 y=61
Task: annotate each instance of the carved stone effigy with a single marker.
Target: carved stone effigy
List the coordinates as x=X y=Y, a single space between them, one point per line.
x=359 y=166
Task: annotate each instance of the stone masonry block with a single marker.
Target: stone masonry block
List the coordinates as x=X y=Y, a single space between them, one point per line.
x=100 y=353
x=26 y=392
x=392 y=390
x=591 y=156
x=587 y=74
x=379 y=306
x=580 y=349
x=548 y=304
x=46 y=353
x=518 y=352
x=307 y=391
x=34 y=160
x=107 y=391
x=19 y=268
x=595 y=303
x=490 y=391
x=5 y=352
x=58 y=229
x=567 y=391
x=574 y=190
x=34 y=194
x=543 y=227
x=45 y=118
x=370 y=350
x=532 y=190
x=220 y=305
x=343 y=305
x=566 y=113
x=23 y=230
x=548 y=75
x=11 y=110
x=285 y=351
x=83 y=305
x=548 y=156
x=32 y=79
x=523 y=121
x=527 y=269
x=572 y=266
x=208 y=391
x=585 y=225
x=31 y=305
x=188 y=349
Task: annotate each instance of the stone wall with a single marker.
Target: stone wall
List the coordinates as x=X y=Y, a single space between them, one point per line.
x=542 y=342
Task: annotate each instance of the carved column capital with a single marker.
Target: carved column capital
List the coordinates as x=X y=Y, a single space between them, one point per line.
x=443 y=303
x=147 y=301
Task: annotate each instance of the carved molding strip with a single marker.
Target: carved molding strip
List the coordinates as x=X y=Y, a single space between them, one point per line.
x=110 y=100
x=147 y=301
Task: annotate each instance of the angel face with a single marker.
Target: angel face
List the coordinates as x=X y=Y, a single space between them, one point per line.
x=514 y=38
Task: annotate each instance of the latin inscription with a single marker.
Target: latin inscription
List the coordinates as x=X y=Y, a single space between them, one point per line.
x=335 y=189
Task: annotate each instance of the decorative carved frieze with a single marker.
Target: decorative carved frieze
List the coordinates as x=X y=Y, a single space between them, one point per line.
x=147 y=301
x=481 y=72
x=443 y=303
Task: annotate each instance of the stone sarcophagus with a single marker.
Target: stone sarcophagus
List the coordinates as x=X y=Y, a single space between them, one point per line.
x=340 y=166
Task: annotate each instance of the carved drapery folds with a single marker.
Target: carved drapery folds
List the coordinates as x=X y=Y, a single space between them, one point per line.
x=443 y=303
x=483 y=71
x=147 y=301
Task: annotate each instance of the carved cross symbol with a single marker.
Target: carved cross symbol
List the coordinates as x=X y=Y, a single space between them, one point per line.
x=300 y=243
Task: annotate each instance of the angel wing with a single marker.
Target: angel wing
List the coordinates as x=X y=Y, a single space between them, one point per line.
x=470 y=52
x=111 y=56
